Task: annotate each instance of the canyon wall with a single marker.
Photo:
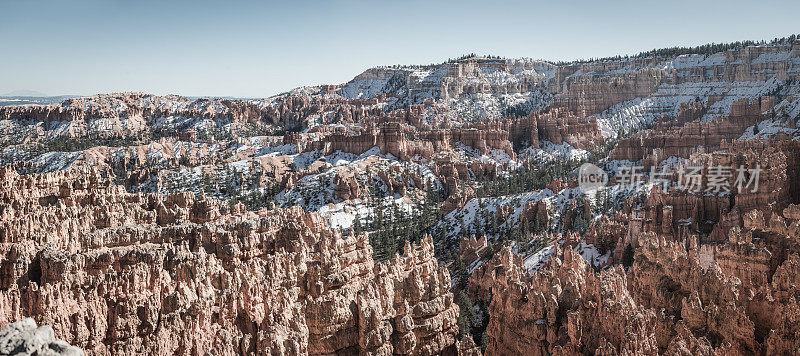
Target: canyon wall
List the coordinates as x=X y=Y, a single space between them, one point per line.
x=681 y=138
x=672 y=300
x=114 y=272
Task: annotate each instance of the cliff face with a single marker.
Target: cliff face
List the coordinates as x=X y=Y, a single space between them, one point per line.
x=681 y=138
x=677 y=213
x=677 y=297
x=124 y=114
x=557 y=125
x=402 y=140
x=591 y=88
x=117 y=272
x=592 y=94
x=566 y=309
x=136 y=268
x=451 y=80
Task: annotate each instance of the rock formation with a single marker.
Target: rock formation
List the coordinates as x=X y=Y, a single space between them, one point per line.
x=669 y=301
x=117 y=272
x=135 y=223
x=681 y=140
x=25 y=338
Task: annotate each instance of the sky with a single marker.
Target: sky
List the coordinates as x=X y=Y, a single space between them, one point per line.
x=258 y=49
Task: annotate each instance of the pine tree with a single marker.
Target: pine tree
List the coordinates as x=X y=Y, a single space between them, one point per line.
x=627 y=256
x=466 y=316
x=357 y=229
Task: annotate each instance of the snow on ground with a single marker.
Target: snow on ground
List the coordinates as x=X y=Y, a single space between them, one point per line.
x=492 y=155
x=769 y=128
x=480 y=106
x=632 y=115
x=311 y=192
x=550 y=152
x=694 y=83
x=242 y=166
x=773 y=57
x=374 y=81
x=537 y=260
x=195 y=123
x=790 y=108
x=473 y=211
x=784 y=119
x=43 y=163
x=274 y=151
x=155 y=157
x=499 y=156
x=315 y=191
x=55 y=161
x=736 y=91
x=475 y=265
x=613 y=167
x=184 y=179
x=591 y=254
x=420 y=83
x=343 y=215
x=461 y=219
x=56 y=128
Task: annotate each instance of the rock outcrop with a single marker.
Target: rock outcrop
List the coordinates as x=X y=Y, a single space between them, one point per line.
x=683 y=297
x=25 y=338
x=114 y=272
x=681 y=138
x=401 y=140
x=557 y=125
x=124 y=114
x=566 y=309
x=679 y=212
x=124 y=243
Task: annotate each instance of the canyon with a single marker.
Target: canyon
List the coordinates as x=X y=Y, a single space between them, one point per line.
x=127 y=273
x=415 y=210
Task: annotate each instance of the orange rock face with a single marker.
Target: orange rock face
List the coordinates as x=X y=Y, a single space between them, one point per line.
x=668 y=272
x=670 y=301
x=678 y=296
x=682 y=137
x=677 y=213
x=114 y=272
x=566 y=309
x=556 y=125
x=401 y=140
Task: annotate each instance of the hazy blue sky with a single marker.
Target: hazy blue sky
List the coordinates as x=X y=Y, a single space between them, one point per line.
x=239 y=48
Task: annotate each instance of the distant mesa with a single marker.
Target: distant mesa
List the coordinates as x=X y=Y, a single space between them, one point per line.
x=28 y=93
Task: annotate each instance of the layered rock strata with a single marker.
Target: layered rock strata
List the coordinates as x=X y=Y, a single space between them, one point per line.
x=114 y=272
x=681 y=138
x=678 y=297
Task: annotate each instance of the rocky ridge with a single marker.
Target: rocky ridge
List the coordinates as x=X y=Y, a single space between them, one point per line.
x=25 y=338
x=679 y=297
x=115 y=272
x=115 y=228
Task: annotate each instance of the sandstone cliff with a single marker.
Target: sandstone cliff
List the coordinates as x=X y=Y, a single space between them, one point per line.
x=678 y=297
x=117 y=272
